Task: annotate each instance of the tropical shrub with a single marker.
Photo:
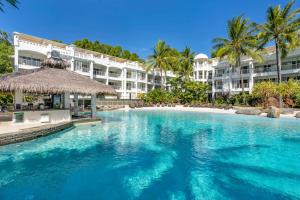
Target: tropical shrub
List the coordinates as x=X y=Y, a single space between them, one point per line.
x=194 y=91
x=268 y=93
x=289 y=91
x=265 y=90
x=158 y=96
x=5 y=99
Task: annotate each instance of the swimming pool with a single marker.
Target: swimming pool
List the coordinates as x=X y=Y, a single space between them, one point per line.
x=158 y=155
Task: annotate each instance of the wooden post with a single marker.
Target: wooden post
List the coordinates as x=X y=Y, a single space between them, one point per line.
x=93 y=106
x=76 y=110
x=18 y=100
x=67 y=100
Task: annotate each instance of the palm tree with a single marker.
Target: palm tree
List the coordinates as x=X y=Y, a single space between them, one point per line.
x=241 y=42
x=186 y=62
x=281 y=27
x=11 y=2
x=159 y=60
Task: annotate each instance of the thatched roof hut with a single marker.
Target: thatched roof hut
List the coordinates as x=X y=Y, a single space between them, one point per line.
x=51 y=80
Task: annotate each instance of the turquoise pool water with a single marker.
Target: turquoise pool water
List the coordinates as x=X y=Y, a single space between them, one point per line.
x=158 y=155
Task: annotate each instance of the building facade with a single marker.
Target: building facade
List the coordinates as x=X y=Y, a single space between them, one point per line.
x=225 y=78
x=128 y=78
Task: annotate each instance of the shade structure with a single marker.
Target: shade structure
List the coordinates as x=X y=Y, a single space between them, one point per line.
x=47 y=80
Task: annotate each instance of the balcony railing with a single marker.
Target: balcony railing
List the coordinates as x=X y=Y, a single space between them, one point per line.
x=141 y=78
x=245 y=71
x=99 y=73
x=274 y=68
x=130 y=87
x=116 y=87
x=114 y=75
x=239 y=86
x=219 y=75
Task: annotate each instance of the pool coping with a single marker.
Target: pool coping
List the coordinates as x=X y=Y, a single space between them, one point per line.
x=41 y=131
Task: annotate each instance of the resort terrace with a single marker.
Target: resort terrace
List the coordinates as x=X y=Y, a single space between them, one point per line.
x=53 y=85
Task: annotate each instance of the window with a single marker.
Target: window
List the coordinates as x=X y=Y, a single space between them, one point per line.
x=200 y=74
x=30 y=61
x=81 y=66
x=205 y=74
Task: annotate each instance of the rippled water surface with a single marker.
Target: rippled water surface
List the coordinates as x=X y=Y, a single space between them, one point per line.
x=158 y=155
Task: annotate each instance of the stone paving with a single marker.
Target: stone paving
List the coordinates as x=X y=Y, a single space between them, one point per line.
x=40 y=130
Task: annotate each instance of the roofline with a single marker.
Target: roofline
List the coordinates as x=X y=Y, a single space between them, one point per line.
x=47 y=41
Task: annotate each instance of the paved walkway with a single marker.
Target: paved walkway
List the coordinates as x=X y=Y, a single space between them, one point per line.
x=14 y=133
x=10 y=127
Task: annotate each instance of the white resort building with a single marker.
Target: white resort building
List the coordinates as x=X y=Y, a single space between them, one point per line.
x=126 y=77
x=130 y=78
x=224 y=79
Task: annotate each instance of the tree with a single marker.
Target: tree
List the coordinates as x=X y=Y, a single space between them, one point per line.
x=6 y=64
x=241 y=41
x=11 y=2
x=59 y=41
x=6 y=52
x=116 y=51
x=186 y=64
x=159 y=59
x=126 y=54
x=282 y=27
x=194 y=92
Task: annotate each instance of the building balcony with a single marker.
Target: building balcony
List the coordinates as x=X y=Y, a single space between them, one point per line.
x=219 y=87
x=130 y=88
x=132 y=78
x=117 y=87
x=114 y=75
x=99 y=73
x=25 y=66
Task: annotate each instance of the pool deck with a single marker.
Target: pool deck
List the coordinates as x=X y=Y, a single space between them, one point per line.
x=13 y=133
x=203 y=109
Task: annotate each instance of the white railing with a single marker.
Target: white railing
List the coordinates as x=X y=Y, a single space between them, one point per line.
x=99 y=72
x=114 y=75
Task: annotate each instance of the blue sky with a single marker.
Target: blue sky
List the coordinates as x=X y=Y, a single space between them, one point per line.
x=134 y=24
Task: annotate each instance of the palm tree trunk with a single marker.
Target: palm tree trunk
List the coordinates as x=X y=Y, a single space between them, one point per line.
x=278 y=62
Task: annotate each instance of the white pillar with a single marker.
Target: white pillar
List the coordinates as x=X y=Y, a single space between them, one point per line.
x=251 y=79
x=49 y=50
x=16 y=59
x=16 y=56
x=91 y=70
x=146 y=88
x=93 y=105
x=76 y=109
x=18 y=98
x=107 y=70
x=72 y=64
x=230 y=79
x=67 y=100
x=213 y=84
x=125 y=84
x=136 y=84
